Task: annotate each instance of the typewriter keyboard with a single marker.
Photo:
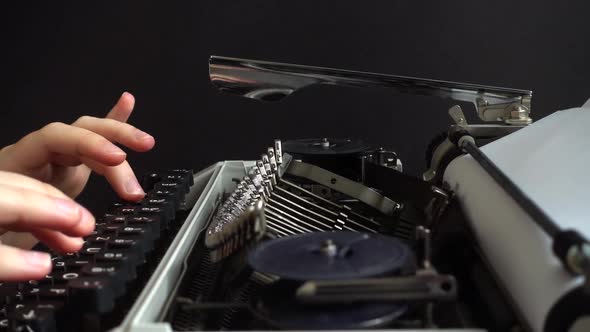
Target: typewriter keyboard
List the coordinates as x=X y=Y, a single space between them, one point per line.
x=92 y=290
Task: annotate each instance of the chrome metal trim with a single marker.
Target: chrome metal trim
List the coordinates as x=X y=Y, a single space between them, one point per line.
x=273 y=81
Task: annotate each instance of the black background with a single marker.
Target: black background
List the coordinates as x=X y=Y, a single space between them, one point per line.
x=62 y=60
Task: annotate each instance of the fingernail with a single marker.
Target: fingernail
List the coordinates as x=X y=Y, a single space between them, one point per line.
x=132 y=187
x=87 y=217
x=37 y=259
x=113 y=149
x=67 y=208
x=140 y=135
x=79 y=242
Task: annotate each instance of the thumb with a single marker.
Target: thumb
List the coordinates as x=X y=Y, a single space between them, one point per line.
x=20 y=265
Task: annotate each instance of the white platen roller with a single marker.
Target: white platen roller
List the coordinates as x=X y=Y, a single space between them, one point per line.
x=549 y=160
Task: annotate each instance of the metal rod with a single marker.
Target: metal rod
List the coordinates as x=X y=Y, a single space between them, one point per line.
x=283 y=226
x=321 y=208
x=311 y=207
x=271 y=205
x=361 y=225
x=281 y=190
x=272 y=228
x=336 y=206
x=287 y=217
x=276 y=218
x=214 y=305
x=538 y=215
x=304 y=209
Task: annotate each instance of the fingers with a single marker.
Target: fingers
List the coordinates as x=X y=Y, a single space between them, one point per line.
x=117 y=131
x=121 y=176
x=70 y=180
x=89 y=138
x=59 y=241
x=30 y=207
x=40 y=147
x=122 y=110
x=17 y=264
x=122 y=179
x=14 y=179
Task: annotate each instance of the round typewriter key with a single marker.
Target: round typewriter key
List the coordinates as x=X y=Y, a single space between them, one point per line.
x=165 y=208
x=90 y=249
x=33 y=318
x=156 y=201
x=115 y=219
x=110 y=229
x=177 y=178
x=165 y=212
x=139 y=230
x=121 y=243
x=169 y=190
x=54 y=293
x=7 y=289
x=153 y=221
x=32 y=292
x=63 y=277
x=144 y=243
x=126 y=210
x=98 y=240
x=74 y=264
x=112 y=272
x=91 y=294
x=149 y=180
x=59 y=265
x=47 y=280
x=126 y=260
x=186 y=173
x=170 y=195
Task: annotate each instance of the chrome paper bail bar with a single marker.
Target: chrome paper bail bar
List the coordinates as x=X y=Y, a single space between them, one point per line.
x=273 y=81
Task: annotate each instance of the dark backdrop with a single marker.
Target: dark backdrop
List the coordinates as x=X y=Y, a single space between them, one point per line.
x=63 y=60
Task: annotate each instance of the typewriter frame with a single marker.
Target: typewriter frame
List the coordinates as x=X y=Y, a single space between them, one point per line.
x=271 y=81
x=150 y=308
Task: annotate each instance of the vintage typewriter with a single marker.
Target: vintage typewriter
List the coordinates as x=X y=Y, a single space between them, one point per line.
x=331 y=234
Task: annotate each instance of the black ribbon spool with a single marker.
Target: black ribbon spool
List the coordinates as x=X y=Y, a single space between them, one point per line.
x=328 y=256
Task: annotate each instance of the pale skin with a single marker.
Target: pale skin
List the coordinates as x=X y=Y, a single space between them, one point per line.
x=42 y=173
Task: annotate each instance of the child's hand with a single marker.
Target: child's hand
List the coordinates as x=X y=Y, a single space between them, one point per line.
x=28 y=205
x=63 y=155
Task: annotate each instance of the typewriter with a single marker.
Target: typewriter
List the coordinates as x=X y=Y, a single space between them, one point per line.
x=331 y=234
